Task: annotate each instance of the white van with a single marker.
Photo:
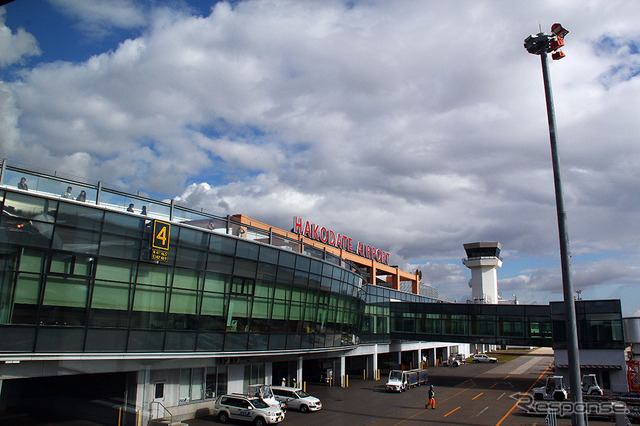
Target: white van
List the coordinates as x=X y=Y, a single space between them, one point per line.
x=296 y=398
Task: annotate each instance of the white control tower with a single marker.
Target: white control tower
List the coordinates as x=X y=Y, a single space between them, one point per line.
x=483 y=258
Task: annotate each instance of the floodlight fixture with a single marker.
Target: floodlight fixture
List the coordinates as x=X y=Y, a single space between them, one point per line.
x=558 y=30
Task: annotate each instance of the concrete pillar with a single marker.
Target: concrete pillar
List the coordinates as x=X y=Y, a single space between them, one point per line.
x=419 y=364
x=143 y=396
x=299 y=372
x=375 y=359
x=343 y=369
x=268 y=373
x=399 y=358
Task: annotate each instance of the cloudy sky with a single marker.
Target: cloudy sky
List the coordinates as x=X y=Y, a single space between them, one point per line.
x=414 y=126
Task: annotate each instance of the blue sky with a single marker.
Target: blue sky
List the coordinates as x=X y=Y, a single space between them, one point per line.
x=416 y=126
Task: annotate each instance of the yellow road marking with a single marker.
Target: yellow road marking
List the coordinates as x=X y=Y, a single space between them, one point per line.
x=458 y=393
x=452 y=411
x=477 y=396
x=529 y=390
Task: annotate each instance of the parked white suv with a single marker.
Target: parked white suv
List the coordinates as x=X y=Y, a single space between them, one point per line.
x=484 y=358
x=297 y=399
x=248 y=408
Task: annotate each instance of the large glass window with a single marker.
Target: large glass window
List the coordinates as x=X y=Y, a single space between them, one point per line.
x=25 y=299
x=186 y=278
x=121 y=246
x=66 y=291
x=238 y=314
x=109 y=304
x=77 y=239
x=115 y=270
x=152 y=274
x=71 y=264
x=65 y=300
x=78 y=216
x=216 y=382
x=31 y=260
x=217 y=283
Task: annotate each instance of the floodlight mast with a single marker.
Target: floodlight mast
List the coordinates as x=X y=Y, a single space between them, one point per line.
x=542 y=44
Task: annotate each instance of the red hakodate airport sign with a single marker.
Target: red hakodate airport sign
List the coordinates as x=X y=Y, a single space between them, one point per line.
x=327 y=236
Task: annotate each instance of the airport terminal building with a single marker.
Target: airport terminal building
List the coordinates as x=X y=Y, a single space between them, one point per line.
x=120 y=309
x=166 y=308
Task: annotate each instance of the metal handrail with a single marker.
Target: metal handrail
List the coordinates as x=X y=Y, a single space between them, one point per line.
x=164 y=408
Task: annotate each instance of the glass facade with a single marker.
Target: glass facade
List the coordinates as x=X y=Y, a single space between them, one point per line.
x=524 y=325
x=86 y=273
x=84 y=277
x=599 y=324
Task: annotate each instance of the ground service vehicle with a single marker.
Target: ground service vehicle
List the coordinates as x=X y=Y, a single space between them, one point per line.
x=296 y=399
x=248 y=408
x=401 y=380
x=553 y=390
x=483 y=358
x=454 y=361
x=590 y=385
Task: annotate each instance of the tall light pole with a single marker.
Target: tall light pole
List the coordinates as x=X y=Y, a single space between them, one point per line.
x=542 y=44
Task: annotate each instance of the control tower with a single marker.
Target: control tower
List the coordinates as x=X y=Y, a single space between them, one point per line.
x=483 y=258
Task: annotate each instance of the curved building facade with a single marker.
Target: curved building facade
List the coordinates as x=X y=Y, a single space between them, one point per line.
x=167 y=307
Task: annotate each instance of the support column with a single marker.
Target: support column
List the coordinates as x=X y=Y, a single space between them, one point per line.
x=396 y=280
x=268 y=373
x=419 y=358
x=299 y=372
x=399 y=358
x=343 y=370
x=372 y=274
x=142 y=396
x=375 y=360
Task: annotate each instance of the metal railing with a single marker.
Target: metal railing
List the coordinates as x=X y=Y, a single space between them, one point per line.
x=52 y=183
x=165 y=410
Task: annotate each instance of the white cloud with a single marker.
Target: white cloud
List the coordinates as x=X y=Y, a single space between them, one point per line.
x=98 y=17
x=416 y=128
x=14 y=47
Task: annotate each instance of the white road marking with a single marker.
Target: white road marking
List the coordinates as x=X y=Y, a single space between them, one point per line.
x=485 y=409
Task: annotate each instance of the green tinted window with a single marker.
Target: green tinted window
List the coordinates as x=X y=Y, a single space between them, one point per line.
x=149 y=299
x=65 y=291
x=114 y=270
x=217 y=283
x=280 y=309
x=213 y=304
x=261 y=308
x=27 y=289
x=183 y=302
x=186 y=278
x=153 y=274
x=31 y=260
x=110 y=295
x=263 y=289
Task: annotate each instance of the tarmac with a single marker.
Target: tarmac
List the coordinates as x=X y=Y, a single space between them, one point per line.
x=472 y=394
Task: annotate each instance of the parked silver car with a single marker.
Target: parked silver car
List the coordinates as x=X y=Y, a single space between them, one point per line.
x=297 y=399
x=248 y=408
x=484 y=358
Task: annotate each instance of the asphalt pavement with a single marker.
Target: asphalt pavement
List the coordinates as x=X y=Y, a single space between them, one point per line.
x=472 y=394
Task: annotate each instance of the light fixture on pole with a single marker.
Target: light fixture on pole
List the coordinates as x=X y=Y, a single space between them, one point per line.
x=542 y=44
